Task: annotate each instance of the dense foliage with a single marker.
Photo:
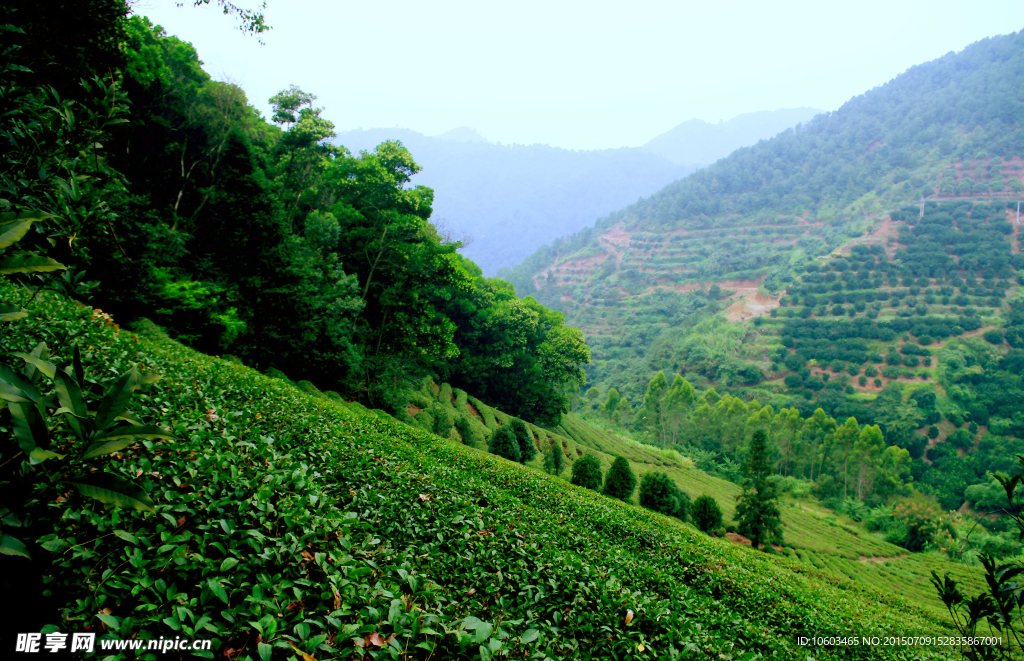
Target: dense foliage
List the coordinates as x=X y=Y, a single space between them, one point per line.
x=257 y=238
x=286 y=521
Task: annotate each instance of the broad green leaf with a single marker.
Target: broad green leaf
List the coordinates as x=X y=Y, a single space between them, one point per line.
x=13 y=546
x=9 y=519
x=29 y=427
x=110 y=488
x=127 y=536
x=116 y=398
x=109 y=620
x=10 y=312
x=265 y=651
x=530 y=636
x=39 y=455
x=128 y=416
x=19 y=381
x=118 y=438
x=55 y=545
x=471 y=623
x=10 y=393
x=218 y=590
x=44 y=366
x=28 y=264
x=70 y=397
x=228 y=563
x=11 y=233
x=483 y=632
x=148 y=377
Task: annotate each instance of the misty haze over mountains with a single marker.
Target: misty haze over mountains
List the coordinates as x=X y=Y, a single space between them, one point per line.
x=512 y=199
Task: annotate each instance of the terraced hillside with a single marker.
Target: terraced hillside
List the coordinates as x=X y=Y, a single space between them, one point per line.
x=286 y=521
x=948 y=129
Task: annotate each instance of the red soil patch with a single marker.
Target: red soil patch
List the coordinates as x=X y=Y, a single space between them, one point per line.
x=412 y=410
x=751 y=304
x=472 y=411
x=737 y=538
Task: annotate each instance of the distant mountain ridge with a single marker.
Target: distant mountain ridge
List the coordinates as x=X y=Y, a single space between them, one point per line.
x=697 y=141
x=513 y=199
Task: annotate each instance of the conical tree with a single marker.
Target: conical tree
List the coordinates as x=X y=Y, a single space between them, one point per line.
x=504 y=443
x=586 y=472
x=527 y=449
x=706 y=514
x=620 y=481
x=757 y=510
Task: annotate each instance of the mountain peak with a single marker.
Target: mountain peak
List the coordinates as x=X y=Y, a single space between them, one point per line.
x=462 y=134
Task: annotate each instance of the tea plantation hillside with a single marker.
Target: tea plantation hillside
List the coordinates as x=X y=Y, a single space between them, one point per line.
x=286 y=523
x=815 y=535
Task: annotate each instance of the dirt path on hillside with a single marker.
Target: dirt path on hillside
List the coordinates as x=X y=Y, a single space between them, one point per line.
x=878 y=559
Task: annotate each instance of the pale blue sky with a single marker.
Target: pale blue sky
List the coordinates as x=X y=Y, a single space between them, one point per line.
x=581 y=75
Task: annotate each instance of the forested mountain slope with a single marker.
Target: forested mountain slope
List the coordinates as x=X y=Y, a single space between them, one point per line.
x=512 y=199
x=801 y=273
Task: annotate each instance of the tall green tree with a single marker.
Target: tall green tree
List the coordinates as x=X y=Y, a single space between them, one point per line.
x=757 y=511
x=868 y=451
x=654 y=406
x=620 y=482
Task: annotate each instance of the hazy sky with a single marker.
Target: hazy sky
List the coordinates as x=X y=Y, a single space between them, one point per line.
x=581 y=75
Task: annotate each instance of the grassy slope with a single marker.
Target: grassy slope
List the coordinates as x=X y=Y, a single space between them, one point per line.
x=331 y=524
x=820 y=540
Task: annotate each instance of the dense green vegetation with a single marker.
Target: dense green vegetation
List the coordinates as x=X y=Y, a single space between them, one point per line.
x=151 y=490
x=257 y=238
x=269 y=519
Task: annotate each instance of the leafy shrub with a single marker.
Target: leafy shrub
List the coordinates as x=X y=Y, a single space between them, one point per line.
x=993 y=337
x=527 y=448
x=659 y=493
x=586 y=472
x=504 y=443
x=466 y=431
x=706 y=514
x=620 y=481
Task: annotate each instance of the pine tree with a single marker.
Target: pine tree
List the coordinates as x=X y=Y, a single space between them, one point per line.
x=586 y=473
x=706 y=514
x=504 y=444
x=620 y=481
x=527 y=449
x=757 y=510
